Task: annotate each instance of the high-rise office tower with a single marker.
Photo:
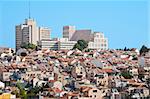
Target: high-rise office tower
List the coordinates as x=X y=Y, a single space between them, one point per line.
x=68 y=31
x=27 y=33
x=33 y=29
x=44 y=33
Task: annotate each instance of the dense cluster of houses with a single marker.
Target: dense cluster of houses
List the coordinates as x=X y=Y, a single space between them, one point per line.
x=72 y=74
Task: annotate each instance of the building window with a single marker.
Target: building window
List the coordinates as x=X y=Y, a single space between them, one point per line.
x=94 y=90
x=103 y=91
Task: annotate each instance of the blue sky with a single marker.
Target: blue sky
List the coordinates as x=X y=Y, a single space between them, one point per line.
x=124 y=22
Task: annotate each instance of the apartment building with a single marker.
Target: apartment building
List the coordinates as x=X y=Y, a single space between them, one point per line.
x=99 y=42
x=96 y=40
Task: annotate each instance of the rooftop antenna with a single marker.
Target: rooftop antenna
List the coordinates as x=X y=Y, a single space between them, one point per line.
x=29 y=10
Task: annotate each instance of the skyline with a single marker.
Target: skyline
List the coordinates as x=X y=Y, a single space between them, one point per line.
x=120 y=21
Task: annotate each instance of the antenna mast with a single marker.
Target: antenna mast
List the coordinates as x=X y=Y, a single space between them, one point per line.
x=29 y=10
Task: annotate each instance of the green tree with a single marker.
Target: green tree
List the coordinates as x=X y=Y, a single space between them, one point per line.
x=34 y=91
x=126 y=74
x=23 y=93
x=143 y=50
x=125 y=49
x=81 y=45
x=28 y=46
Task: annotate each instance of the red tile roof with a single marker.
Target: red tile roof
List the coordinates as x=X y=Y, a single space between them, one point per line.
x=106 y=70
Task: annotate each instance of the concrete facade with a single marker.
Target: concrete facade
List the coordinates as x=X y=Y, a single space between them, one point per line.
x=44 y=33
x=26 y=33
x=96 y=40
x=59 y=44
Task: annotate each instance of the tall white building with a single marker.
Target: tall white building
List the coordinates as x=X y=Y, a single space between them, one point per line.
x=33 y=31
x=28 y=32
x=44 y=33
